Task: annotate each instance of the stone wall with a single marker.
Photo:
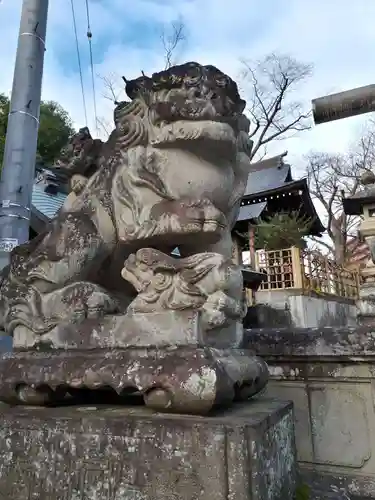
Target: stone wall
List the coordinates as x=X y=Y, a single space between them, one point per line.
x=301 y=310
x=329 y=374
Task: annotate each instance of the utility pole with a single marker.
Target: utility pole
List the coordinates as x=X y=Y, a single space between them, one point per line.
x=17 y=174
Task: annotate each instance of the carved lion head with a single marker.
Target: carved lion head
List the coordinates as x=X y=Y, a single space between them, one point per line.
x=80 y=155
x=180 y=106
x=189 y=92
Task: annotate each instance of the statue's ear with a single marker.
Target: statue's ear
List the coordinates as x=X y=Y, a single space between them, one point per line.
x=194 y=275
x=157 y=261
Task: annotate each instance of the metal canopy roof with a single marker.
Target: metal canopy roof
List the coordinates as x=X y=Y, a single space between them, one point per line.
x=46 y=203
x=248 y=212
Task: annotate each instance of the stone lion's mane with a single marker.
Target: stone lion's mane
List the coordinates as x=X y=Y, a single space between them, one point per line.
x=131 y=128
x=132 y=148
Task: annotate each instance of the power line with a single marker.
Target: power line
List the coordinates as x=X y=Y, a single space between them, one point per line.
x=79 y=60
x=89 y=38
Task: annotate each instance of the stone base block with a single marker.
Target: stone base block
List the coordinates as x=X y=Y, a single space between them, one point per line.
x=175 y=379
x=85 y=453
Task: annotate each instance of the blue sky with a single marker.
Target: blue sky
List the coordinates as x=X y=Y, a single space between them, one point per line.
x=336 y=36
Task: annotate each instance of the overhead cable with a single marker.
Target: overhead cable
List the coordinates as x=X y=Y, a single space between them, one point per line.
x=79 y=60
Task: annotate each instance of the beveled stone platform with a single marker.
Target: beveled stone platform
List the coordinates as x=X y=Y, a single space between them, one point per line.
x=115 y=453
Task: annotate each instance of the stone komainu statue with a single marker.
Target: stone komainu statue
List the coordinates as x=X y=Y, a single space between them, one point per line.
x=172 y=174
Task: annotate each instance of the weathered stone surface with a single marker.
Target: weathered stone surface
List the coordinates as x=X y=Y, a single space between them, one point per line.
x=161 y=329
x=184 y=380
x=366 y=305
x=158 y=329
x=244 y=453
x=325 y=485
x=329 y=375
x=300 y=309
x=306 y=342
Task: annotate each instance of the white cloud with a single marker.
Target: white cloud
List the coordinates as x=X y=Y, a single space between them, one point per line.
x=336 y=36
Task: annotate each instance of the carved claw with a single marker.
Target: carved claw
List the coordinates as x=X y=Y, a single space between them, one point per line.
x=205 y=216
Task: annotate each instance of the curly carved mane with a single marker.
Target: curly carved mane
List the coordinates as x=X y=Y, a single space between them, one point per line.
x=131 y=128
x=132 y=147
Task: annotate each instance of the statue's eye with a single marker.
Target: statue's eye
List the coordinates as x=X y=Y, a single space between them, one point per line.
x=175 y=79
x=222 y=81
x=193 y=77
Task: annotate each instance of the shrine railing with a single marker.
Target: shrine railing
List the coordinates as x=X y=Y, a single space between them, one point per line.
x=306 y=270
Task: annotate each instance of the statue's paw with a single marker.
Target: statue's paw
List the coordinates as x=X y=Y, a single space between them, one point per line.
x=204 y=215
x=213 y=311
x=221 y=308
x=99 y=304
x=177 y=220
x=194 y=217
x=214 y=219
x=213 y=319
x=78 y=182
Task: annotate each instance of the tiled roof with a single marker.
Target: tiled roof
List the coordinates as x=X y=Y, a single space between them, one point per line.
x=267 y=179
x=47 y=204
x=274 y=161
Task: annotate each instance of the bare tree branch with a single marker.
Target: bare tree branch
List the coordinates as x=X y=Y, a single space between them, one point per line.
x=112 y=89
x=332 y=177
x=171 y=41
x=269 y=84
x=104 y=126
x=323 y=243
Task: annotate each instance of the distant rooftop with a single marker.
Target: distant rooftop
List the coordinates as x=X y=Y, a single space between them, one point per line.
x=271 y=189
x=353 y=205
x=49 y=193
x=268 y=174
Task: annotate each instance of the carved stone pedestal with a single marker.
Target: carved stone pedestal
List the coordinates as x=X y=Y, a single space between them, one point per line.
x=165 y=357
x=179 y=379
x=85 y=453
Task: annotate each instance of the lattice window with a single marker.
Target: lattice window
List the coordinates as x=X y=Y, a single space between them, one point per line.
x=292 y=268
x=279 y=268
